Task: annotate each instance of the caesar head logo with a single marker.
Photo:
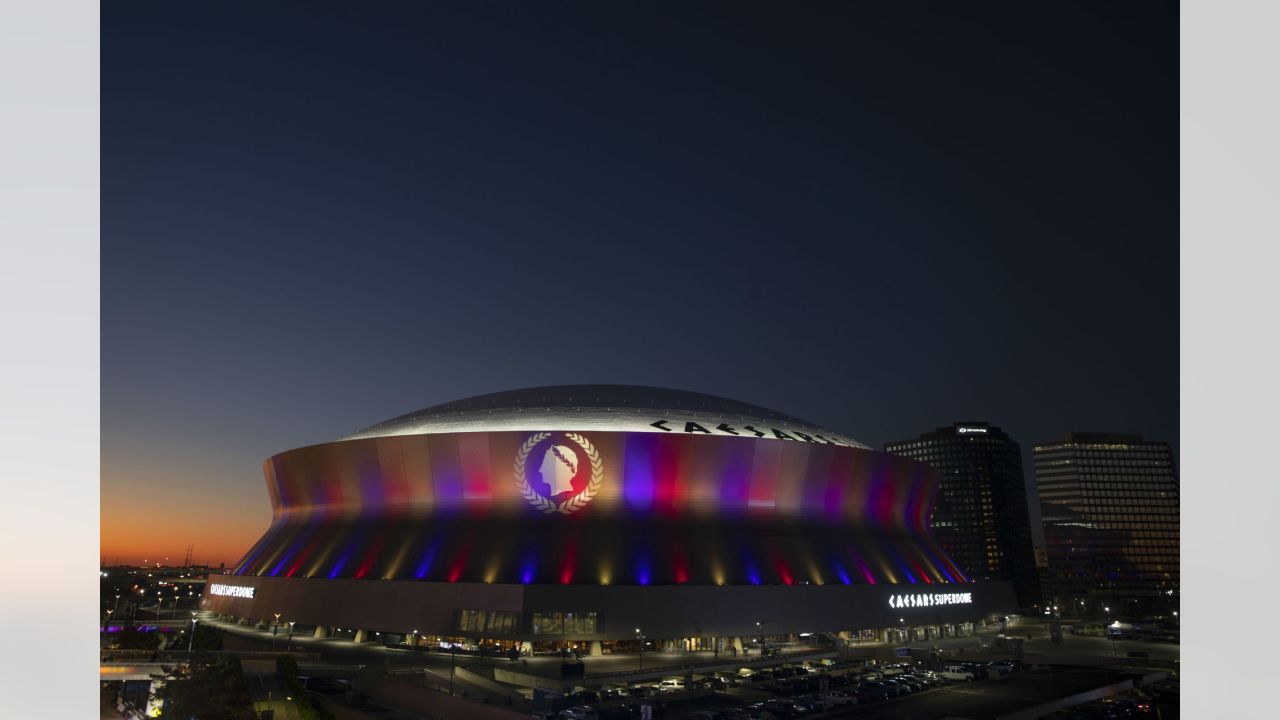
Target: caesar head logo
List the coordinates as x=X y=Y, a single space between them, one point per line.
x=559 y=466
x=558 y=474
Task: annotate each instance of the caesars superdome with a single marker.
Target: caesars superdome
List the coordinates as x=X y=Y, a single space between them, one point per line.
x=619 y=507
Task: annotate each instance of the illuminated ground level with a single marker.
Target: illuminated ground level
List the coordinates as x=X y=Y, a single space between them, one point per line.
x=600 y=620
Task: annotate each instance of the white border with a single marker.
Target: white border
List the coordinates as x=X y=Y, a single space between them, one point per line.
x=1230 y=177
x=49 y=462
x=49 y=315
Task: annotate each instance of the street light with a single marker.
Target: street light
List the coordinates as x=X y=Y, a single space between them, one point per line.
x=641 y=637
x=192 y=639
x=104 y=628
x=275 y=628
x=289 y=649
x=760 y=636
x=903 y=623
x=453 y=663
x=1110 y=632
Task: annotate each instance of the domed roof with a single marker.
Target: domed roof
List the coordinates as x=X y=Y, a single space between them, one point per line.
x=626 y=408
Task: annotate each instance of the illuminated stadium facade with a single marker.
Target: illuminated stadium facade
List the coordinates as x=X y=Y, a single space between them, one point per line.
x=584 y=513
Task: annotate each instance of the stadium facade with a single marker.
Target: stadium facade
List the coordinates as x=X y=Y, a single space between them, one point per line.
x=595 y=513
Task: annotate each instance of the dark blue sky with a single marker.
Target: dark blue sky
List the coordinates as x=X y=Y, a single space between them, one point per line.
x=881 y=219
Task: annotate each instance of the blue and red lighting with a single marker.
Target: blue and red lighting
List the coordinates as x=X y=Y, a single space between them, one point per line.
x=669 y=509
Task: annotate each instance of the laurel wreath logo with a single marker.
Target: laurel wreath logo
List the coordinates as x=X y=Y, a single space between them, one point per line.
x=546 y=504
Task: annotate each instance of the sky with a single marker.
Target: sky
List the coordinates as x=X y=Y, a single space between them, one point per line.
x=882 y=218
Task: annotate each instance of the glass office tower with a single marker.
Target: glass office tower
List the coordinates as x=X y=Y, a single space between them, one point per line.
x=981 y=517
x=1110 y=509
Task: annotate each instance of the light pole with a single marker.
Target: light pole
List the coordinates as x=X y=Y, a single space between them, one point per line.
x=191 y=640
x=641 y=638
x=289 y=649
x=453 y=663
x=760 y=637
x=1110 y=632
x=275 y=628
x=903 y=623
x=105 y=626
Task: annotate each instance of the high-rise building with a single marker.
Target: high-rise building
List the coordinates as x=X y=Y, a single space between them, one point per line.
x=981 y=517
x=1110 y=509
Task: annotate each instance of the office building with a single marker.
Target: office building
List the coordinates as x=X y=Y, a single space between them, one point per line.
x=1110 y=509
x=981 y=517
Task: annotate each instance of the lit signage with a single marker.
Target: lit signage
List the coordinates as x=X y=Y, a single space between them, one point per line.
x=240 y=591
x=967 y=430
x=916 y=600
x=747 y=431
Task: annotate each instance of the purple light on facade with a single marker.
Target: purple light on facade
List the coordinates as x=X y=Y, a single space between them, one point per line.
x=735 y=482
x=373 y=491
x=529 y=568
x=643 y=568
x=342 y=561
x=638 y=480
x=428 y=559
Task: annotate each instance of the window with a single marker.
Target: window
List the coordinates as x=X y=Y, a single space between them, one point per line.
x=489 y=623
x=565 y=623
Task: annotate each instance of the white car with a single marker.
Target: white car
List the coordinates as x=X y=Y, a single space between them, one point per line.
x=670 y=685
x=956 y=673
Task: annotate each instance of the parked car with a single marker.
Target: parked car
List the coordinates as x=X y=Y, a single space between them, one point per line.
x=997 y=668
x=785 y=708
x=956 y=673
x=875 y=690
x=580 y=712
x=670 y=685
x=912 y=682
x=897 y=687
x=931 y=679
x=840 y=697
x=615 y=693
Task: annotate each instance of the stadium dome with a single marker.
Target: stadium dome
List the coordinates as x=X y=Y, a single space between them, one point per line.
x=686 y=513
x=585 y=407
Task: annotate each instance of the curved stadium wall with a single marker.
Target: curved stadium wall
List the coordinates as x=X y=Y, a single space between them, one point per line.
x=392 y=531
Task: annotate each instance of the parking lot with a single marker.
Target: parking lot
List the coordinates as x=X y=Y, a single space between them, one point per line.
x=850 y=691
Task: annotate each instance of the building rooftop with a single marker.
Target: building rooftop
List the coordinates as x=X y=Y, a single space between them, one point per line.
x=632 y=408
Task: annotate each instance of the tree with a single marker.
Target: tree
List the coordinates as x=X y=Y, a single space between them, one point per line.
x=205 y=691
